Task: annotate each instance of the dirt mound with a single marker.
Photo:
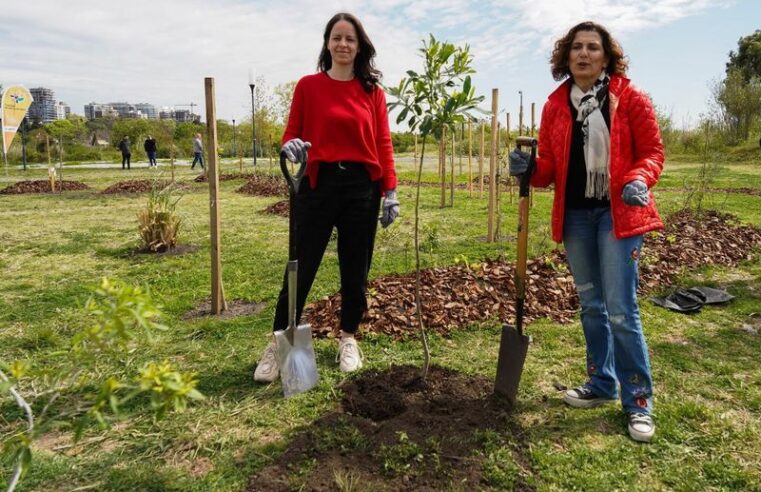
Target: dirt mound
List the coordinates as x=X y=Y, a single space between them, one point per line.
x=138 y=186
x=260 y=185
x=393 y=432
x=459 y=295
x=201 y=178
x=280 y=208
x=42 y=186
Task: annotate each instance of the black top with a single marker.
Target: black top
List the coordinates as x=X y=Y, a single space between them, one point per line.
x=576 y=181
x=150 y=145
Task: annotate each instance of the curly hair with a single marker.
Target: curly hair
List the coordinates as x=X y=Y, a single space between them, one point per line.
x=364 y=65
x=617 y=62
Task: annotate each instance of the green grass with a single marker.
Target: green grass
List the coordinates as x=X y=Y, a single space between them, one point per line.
x=54 y=248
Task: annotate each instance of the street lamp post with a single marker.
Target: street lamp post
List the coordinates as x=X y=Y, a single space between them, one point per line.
x=235 y=148
x=252 y=85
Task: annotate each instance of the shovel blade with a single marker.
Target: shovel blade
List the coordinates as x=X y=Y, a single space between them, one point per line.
x=512 y=355
x=298 y=364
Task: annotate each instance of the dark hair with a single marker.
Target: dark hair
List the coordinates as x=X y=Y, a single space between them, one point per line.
x=364 y=66
x=617 y=62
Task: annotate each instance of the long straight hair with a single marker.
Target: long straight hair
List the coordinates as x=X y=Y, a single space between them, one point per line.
x=364 y=64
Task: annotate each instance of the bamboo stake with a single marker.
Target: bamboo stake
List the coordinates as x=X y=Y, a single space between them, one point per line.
x=493 y=165
x=470 y=160
x=269 y=152
x=510 y=179
x=217 y=296
x=416 y=147
x=171 y=158
x=462 y=138
x=498 y=185
x=533 y=127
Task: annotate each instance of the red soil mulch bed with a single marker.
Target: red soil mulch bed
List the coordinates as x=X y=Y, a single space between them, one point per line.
x=459 y=295
x=42 y=186
x=138 y=186
x=263 y=185
x=281 y=208
x=393 y=432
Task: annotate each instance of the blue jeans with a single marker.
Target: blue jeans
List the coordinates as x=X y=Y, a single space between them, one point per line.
x=605 y=271
x=197 y=158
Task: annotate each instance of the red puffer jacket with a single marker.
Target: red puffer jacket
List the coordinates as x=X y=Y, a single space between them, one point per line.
x=636 y=152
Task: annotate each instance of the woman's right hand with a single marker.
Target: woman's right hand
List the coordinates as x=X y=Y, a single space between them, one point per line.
x=296 y=150
x=518 y=162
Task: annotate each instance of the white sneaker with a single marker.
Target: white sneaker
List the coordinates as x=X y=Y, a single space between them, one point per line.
x=641 y=426
x=267 y=370
x=349 y=355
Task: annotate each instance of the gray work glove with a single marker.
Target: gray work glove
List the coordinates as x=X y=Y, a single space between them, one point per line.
x=390 y=208
x=518 y=162
x=635 y=193
x=296 y=150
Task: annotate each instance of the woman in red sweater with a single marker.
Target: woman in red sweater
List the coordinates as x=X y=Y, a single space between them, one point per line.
x=339 y=115
x=600 y=145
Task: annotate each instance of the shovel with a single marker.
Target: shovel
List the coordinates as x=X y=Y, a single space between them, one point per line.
x=514 y=344
x=295 y=353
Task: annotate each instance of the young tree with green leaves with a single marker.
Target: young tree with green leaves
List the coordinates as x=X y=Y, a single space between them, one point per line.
x=441 y=96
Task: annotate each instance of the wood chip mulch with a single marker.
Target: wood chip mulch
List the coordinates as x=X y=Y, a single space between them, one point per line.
x=201 y=178
x=42 y=186
x=460 y=295
x=137 y=186
x=280 y=208
x=264 y=185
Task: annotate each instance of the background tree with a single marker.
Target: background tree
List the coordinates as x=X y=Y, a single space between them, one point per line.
x=747 y=59
x=441 y=96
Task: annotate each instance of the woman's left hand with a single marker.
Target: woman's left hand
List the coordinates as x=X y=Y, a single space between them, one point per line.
x=635 y=193
x=390 y=209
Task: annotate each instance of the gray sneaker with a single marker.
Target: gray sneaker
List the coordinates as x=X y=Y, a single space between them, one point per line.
x=267 y=370
x=583 y=397
x=349 y=355
x=641 y=426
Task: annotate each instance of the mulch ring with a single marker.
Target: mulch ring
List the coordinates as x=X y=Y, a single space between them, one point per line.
x=235 y=308
x=140 y=186
x=42 y=186
x=201 y=178
x=177 y=250
x=264 y=185
x=464 y=294
x=393 y=432
x=281 y=208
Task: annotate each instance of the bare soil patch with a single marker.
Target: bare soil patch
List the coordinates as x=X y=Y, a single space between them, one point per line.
x=180 y=249
x=202 y=178
x=42 y=186
x=456 y=296
x=235 y=308
x=393 y=432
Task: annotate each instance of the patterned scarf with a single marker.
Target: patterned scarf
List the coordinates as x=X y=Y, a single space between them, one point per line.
x=596 y=136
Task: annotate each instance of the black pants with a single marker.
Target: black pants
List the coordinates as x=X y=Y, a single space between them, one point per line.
x=346 y=199
x=125 y=160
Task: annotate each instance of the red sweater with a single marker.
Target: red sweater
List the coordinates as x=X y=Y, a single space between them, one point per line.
x=636 y=152
x=343 y=123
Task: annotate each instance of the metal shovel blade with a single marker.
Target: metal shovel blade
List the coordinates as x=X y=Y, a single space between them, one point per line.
x=512 y=354
x=298 y=364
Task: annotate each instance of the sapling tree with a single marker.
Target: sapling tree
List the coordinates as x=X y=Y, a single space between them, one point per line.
x=441 y=96
x=59 y=393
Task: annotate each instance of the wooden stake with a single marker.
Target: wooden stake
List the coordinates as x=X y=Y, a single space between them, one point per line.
x=171 y=158
x=443 y=166
x=269 y=152
x=470 y=160
x=510 y=179
x=462 y=138
x=498 y=185
x=481 y=161
x=47 y=147
x=217 y=296
x=493 y=165
x=451 y=174
x=533 y=127
x=416 y=147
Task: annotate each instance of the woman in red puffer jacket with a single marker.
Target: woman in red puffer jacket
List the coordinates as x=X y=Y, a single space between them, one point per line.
x=600 y=145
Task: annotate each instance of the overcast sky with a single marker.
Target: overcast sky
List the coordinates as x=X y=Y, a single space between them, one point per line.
x=159 y=51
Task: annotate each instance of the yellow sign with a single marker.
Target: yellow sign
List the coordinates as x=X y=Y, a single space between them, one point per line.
x=13 y=105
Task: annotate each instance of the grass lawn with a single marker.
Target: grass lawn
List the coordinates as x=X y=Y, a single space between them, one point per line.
x=55 y=248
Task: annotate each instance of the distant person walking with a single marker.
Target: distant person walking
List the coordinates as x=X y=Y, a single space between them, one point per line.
x=197 y=151
x=124 y=146
x=150 y=150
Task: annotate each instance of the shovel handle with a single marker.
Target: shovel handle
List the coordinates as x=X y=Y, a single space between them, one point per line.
x=525 y=178
x=294 y=181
